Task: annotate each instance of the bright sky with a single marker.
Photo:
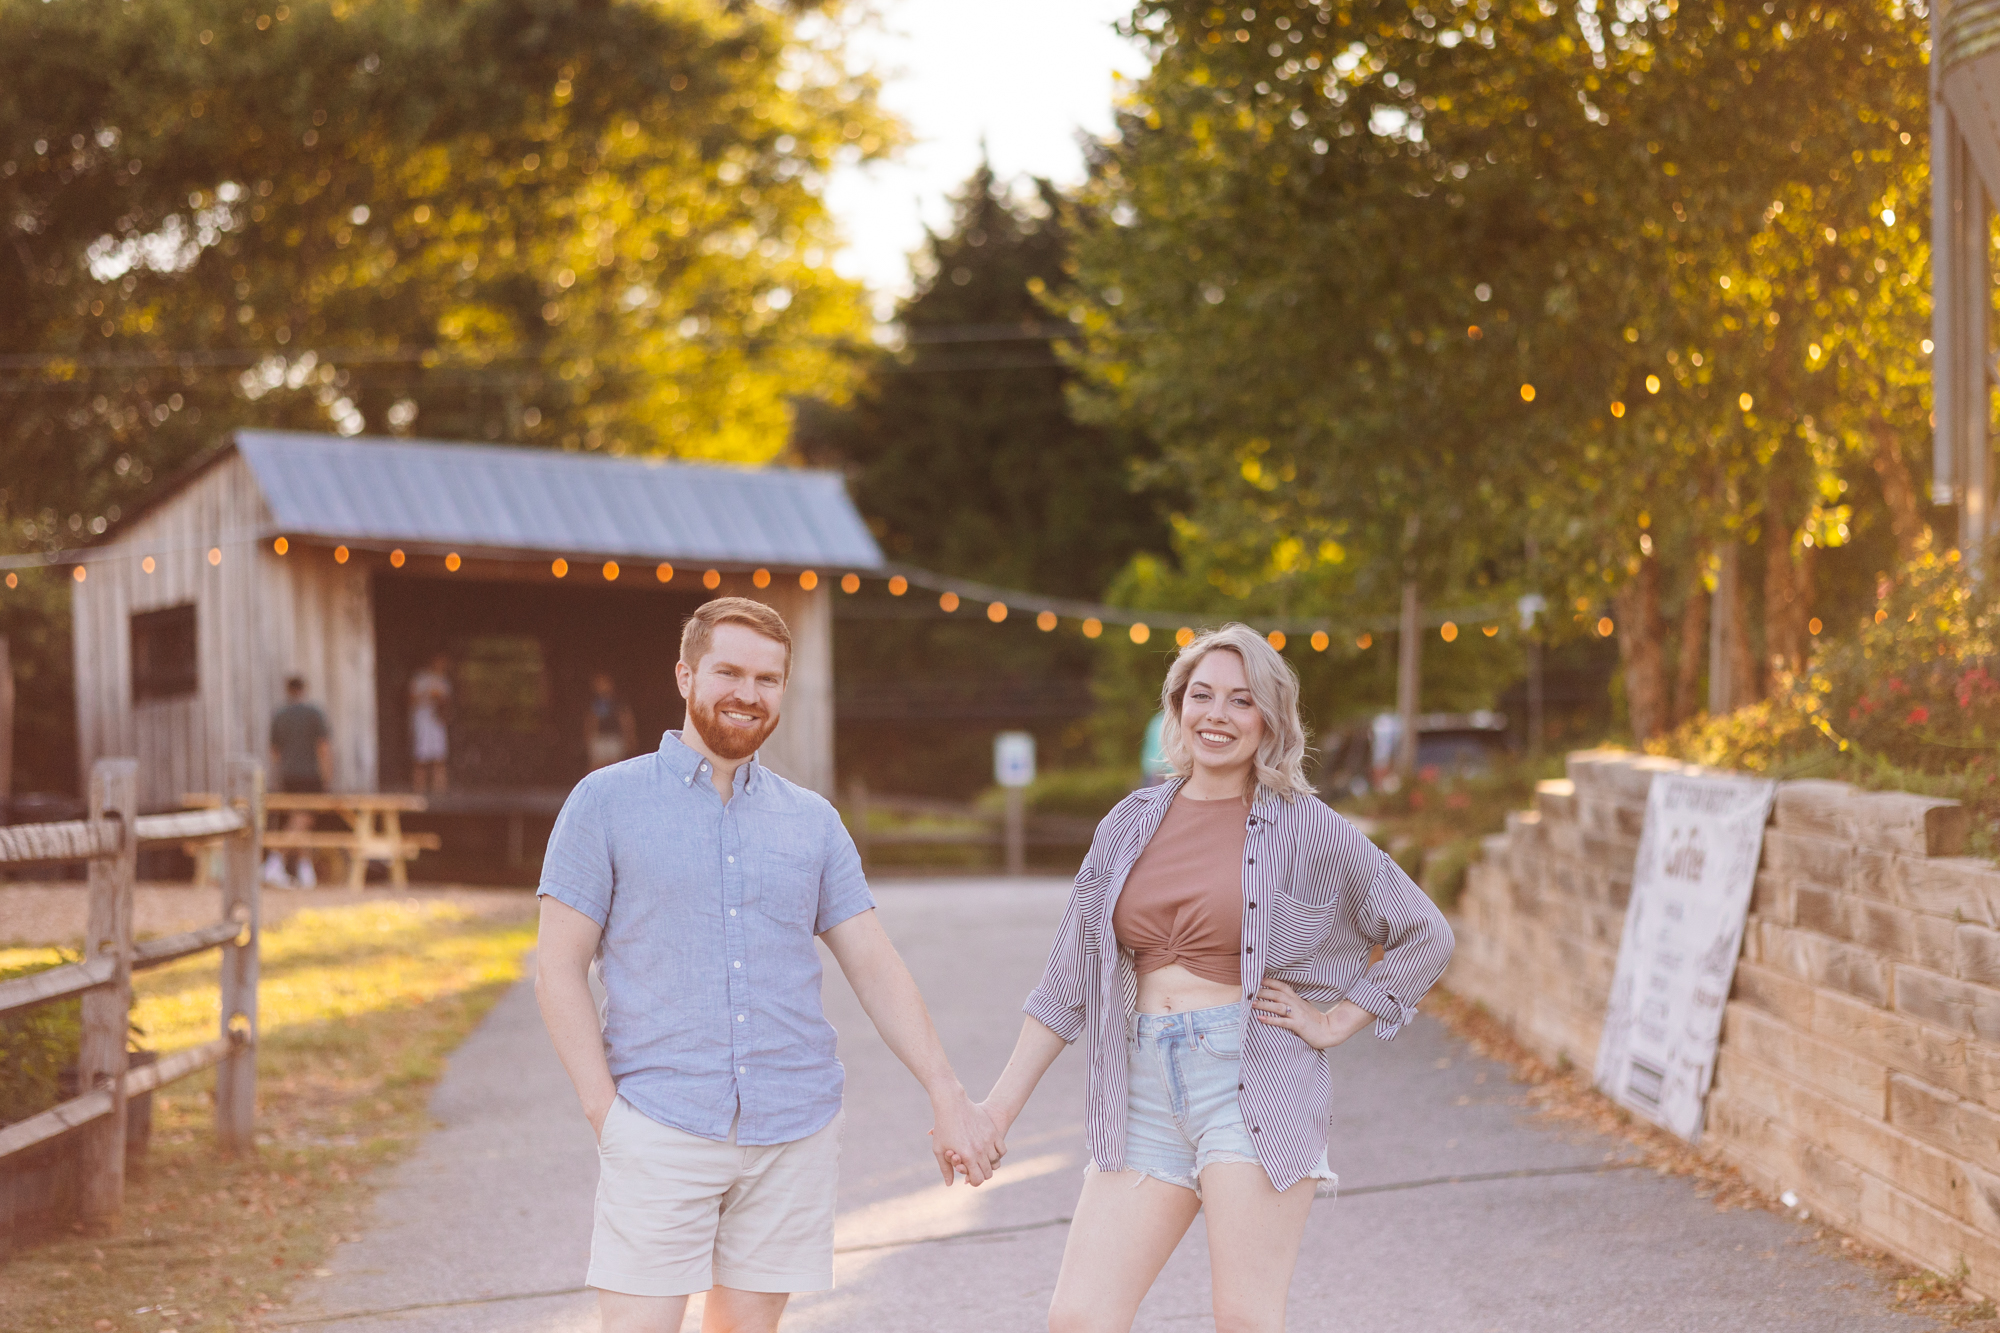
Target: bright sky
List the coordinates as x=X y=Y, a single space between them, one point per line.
x=1025 y=75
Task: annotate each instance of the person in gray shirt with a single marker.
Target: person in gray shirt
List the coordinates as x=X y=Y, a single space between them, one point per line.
x=698 y=879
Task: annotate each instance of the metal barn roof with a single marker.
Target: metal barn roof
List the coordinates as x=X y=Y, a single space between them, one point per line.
x=498 y=497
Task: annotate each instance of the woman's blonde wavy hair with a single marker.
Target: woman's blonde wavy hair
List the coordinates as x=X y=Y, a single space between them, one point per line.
x=1274 y=687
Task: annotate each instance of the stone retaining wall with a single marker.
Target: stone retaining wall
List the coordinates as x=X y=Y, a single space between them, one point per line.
x=1860 y=1059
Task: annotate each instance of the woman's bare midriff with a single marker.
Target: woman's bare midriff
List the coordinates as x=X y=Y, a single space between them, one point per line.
x=1175 y=990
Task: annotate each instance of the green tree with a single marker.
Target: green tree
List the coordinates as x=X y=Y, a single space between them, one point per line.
x=586 y=224
x=1411 y=290
x=966 y=459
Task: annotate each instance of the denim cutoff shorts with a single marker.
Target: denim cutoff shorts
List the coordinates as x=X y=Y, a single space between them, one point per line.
x=1181 y=1111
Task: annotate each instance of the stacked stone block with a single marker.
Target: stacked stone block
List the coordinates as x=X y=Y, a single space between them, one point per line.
x=1860 y=1057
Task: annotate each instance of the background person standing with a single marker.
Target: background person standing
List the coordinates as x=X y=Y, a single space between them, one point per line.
x=301 y=761
x=610 y=732
x=430 y=710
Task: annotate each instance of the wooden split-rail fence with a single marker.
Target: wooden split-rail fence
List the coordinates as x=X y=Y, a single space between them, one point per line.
x=107 y=839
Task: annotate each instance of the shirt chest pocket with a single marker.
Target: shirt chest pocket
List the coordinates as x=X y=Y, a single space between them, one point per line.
x=788 y=885
x=1296 y=929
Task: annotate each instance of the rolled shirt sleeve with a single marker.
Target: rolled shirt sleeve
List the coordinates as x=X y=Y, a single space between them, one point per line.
x=576 y=869
x=1416 y=945
x=1058 y=1002
x=843 y=887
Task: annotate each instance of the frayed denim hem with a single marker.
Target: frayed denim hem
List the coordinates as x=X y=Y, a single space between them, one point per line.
x=1141 y=1174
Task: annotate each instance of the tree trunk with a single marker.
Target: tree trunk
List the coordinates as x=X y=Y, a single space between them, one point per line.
x=1745 y=686
x=1787 y=580
x=1642 y=635
x=1694 y=641
x=1899 y=492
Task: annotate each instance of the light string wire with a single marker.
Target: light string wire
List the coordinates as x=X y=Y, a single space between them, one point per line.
x=996 y=604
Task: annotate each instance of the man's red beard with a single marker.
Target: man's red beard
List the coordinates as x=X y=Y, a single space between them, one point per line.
x=725 y=741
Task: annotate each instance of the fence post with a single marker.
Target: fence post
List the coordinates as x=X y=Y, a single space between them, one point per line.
x=1015 y=831
x=236 y=1076
x=107 y=1010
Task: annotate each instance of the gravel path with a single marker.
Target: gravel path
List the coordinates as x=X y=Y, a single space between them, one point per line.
x=1460 y=1212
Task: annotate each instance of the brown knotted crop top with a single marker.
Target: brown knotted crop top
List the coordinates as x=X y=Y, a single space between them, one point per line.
x=1183 y=901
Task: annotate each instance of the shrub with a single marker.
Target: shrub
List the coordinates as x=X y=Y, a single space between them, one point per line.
x=36 y=1046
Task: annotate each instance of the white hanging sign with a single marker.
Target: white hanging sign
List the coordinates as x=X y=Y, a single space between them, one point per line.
x=1683 y=931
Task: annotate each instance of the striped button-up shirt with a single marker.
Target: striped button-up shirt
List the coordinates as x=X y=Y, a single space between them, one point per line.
x=1317 y=898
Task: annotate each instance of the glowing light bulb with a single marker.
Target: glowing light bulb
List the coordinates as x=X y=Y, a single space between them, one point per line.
x=1046 y=621
x=850 y=583
x=1276 y=638
x=1092 y=627
x=1141 y=632
x=1448 y=632
x=664 y=572
x=711 y=579
x=1320 y=640
x=949 y=601
x=808 y=580
x=762 y=578
x=281 y=546
x=996 y=611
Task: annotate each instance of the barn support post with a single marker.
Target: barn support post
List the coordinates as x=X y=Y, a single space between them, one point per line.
x=101 y=1059
x=242 y=902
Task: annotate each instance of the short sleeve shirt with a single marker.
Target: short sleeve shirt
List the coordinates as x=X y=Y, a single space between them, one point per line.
x=296 y=731
x=712 y=981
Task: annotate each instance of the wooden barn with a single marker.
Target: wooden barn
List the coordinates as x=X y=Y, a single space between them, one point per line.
x=354 y=562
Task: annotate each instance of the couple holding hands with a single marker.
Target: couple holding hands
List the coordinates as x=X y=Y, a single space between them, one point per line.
x=1216 y=945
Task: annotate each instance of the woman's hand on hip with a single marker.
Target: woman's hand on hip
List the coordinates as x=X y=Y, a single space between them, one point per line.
x=1279 y=1006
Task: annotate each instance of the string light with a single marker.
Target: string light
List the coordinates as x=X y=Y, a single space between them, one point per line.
x=1489 y=630
x=13 y=579
x=452 y=562
x=1745 y=401
x=1141 y=632
x=762 y=578
x=78 y=574
x=664 y=572
x=1046 y=621
x=281 y=546
x=1448 y=632
x=898 y=585
x=1364 y=642
x=996 y=611
x=215 y=556
x=1184 y=636
x=1652 y=384
x=850 y=583
x=559 y=567
x=1604 y=627
x=711 y=580
x=1276 y=638
x=1527 y=393
x=339 y=556
x=949 y=601
x=808 y=580
x=1320 y=640
x=610 y=571
x=1617 y=408
x=146 y=564
x=1092 y=627
x=395 y=558
x=1813 y=626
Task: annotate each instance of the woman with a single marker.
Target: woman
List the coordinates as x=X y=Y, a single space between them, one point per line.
x=1215 y=947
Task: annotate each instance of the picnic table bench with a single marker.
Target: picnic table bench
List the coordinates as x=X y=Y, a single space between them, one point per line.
x=374 y=830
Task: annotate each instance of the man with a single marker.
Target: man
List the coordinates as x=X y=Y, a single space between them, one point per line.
x=430 y=740
x=698 y=879
x=301 y=760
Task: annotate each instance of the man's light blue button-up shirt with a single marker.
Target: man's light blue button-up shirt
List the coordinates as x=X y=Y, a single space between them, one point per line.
x=709 y=911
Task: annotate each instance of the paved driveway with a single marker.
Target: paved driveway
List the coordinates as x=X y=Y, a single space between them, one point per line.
x=1459 y=1212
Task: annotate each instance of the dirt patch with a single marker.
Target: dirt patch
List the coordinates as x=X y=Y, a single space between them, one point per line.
x=56 y=913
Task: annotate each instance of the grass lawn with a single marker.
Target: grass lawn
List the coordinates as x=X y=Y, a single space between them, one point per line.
x=360 y=1006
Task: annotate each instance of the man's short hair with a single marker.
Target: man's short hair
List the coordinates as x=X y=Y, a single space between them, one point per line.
x=295 y=685
x=699 y=631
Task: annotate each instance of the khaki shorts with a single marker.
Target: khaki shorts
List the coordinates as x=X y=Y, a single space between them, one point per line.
x=678 y=1214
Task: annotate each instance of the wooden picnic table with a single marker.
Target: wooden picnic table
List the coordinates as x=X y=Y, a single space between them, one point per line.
x=374 y=829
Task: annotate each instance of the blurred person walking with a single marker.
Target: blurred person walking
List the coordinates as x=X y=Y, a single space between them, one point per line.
x=1215 y=948
x=610 y=732
x=301 y=761
x=697 y=880
x=430 y=710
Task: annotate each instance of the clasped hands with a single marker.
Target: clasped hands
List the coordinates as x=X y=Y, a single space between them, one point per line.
x=965 y=1137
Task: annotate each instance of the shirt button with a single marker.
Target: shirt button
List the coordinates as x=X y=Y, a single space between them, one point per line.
x=1246 y=949
x=739 y=962
x=1253 y=904
x=732 y=860
x=739 y=1018
x=732 y=911
x=1253 y=860
x=743 y=1069
x=1256 y=1129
